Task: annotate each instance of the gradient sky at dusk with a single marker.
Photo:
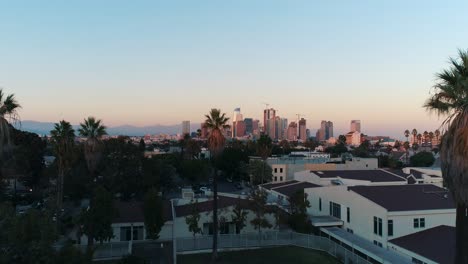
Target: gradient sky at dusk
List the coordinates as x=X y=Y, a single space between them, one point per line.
x=154 y=62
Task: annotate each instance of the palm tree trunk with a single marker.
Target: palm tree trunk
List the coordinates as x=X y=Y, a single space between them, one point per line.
x=461 y=256
x=214 y=255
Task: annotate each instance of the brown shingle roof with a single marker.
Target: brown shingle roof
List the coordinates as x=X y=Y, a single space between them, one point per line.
x=437 y=244
x=407 y=197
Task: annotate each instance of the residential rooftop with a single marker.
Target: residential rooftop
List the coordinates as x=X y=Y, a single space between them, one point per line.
x=291 y=189
x=436 y=244
x=269 y=186
x=132 y=212
x=362 y=175
x=412 y=197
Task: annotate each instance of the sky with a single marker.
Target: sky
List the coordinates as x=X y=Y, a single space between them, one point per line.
x=161 y=62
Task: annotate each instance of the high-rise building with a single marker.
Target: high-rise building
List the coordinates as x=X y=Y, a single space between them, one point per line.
x=185 y=128
x=269 y=116
x=302 y=129
x=355 y=126
x=248 y=125
x=256 y=127
x=325 y=131
x=237 y=117
x=281 y=125
x=204 y=130
x=292 y=131
x=238 y=129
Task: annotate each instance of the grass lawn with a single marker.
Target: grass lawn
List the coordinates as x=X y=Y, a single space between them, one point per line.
x=273 y=255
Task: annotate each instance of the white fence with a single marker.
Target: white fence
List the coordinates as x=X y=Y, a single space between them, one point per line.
x=269 y=239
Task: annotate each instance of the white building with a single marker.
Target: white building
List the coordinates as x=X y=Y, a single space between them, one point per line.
x=381 y=213
x=185 y=128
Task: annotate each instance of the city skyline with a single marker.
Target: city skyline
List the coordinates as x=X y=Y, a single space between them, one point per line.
x=161 y=63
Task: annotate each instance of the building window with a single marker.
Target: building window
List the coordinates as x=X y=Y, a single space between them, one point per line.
x=335 y=210
x=378 y=226
x=281 y=178
x=276 y=178
x=350 y=230
x=348 y=215
x=320 y=204
x=377 y=243
x=281 y=170
x=419 y=222
x=390 y=228
x=276 y=170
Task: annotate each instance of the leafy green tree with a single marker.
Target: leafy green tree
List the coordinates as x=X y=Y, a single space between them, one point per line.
x=132 y=259
x=260 y=171
x=192 y=220
x=450 y=98
x=97 y=219
x=231 y=160
x=63 y=139
x=259 y=207
x=195 y=170
x=159 y=173
x=8 y=112
x=422 y=159
x=298 y=219
x=216 y=123
x=363 y=151
x=142 y=145
x=92 y=130
x=239 y=216
x=153 y=212
x=341 y=140
x=71 y=254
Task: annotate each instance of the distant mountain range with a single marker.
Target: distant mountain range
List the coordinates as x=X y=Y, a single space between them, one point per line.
x=44 y=128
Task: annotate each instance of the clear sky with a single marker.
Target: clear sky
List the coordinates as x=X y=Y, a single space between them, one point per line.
x=155 y=62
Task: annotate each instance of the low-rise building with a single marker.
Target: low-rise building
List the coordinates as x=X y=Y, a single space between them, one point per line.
x=382 y=213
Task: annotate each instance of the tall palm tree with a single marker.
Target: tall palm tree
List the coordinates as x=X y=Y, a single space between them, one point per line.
x=406 y=144
x=8 y=112
x=430 y=136
x=93 y=130
x=450 y=99
x=63 y=138
x=407 y=134
x=425 y=135
x=419 y=137
x=216 y=123
x=414 y=133
x=437 y=136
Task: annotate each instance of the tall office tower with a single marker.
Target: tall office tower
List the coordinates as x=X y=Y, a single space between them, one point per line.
x=204 y=130
x=302 y=129
x=248 y=125
x=237 y=116
x=326 y=131
x=238 y=129
x=292 y=131
x=355 y=125
x=308 y=133
x=269 y=116
x=329 y=130
x=185 y=128
x=256 y=128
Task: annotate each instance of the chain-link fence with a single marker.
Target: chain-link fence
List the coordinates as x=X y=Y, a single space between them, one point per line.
x=269 y=239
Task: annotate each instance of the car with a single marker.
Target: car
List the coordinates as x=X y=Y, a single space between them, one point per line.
x=205 y=189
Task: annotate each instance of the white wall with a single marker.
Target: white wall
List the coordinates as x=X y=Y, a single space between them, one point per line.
x=362 y=212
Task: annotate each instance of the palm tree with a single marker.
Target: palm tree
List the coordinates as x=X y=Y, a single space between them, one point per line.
x=406 y=144
x=419 y=137
x=216 y=123
x=414 y=133
x=63 y=137
x=431 y=137
x=450 y=99
x=437 y=136
x=407 y=134
x=425 y=135
x=8 y=112
x=93 y=130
